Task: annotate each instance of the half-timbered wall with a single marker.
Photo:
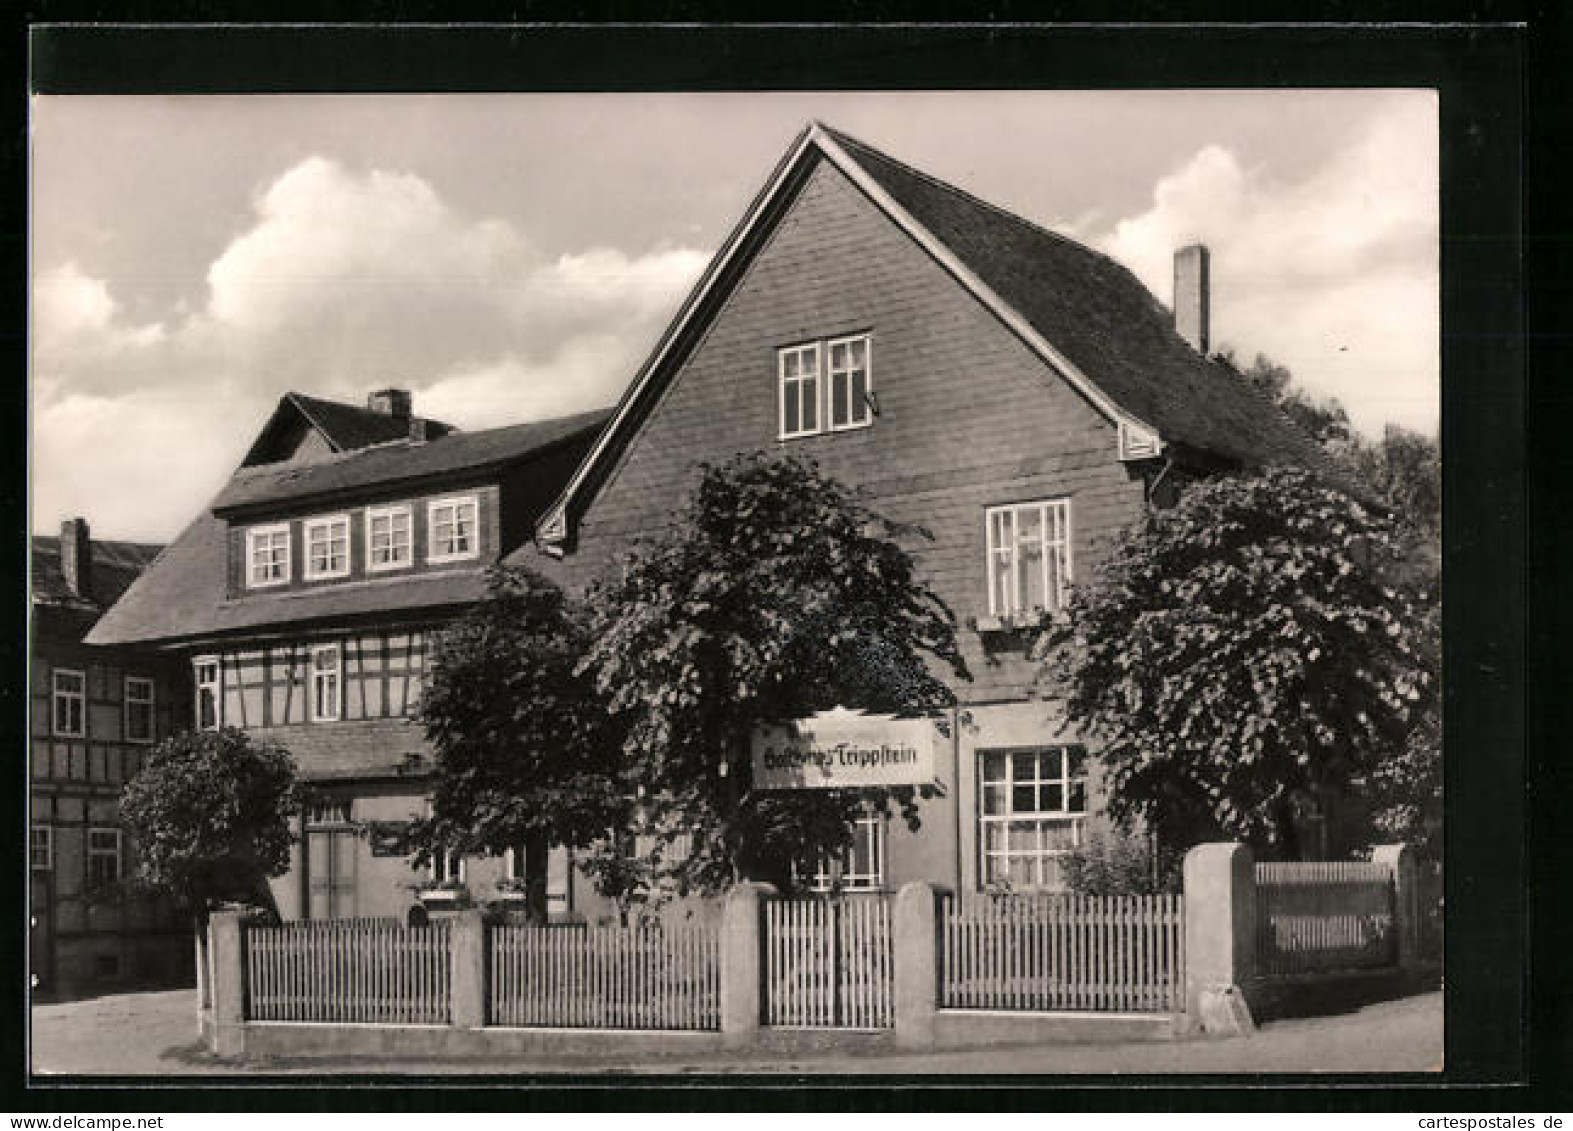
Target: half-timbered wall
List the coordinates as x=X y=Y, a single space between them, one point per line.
x=85 y=934
x=269 y=685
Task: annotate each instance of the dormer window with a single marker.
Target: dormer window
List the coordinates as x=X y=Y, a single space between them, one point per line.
x=452 y=533
x=327 y=547
x=267 y=555
x=389 y=542
x=825 y=386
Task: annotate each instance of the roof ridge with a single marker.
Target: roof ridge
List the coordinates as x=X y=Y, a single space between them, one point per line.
x=956 y=190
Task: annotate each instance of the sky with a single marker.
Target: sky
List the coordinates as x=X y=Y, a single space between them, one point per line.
x=514 y=257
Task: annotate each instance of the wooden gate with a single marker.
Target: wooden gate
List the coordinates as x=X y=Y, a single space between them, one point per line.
x=829 y=963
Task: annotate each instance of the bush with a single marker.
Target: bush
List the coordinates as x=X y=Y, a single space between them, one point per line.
x=1121 y=864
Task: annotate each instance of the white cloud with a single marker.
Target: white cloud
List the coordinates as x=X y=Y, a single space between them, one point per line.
x=1334 y=275
x=138 y=465
x=589 y=372
x=78 y=329
x=340 y=282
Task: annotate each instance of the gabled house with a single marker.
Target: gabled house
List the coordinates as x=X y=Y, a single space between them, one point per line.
x=1020 y=395
x=96 y=712
x=302 y=603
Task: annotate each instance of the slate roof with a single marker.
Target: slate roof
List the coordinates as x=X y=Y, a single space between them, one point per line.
x=395 y=463
x=344 y=426
x=185 y=596
x=1100 y=316
x=115 y=566
x=1091 y=310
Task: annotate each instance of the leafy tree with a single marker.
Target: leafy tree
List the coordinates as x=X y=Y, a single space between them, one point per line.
x=526 y=753
x=1324 y=420
x=776 y=594
x=1238 y=649
x=1405 y=468
x=210 y=813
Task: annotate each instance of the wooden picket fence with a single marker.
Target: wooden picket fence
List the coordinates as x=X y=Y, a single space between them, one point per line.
x=829 y=962
x=648 y=976
x=1063 y=953
x=348 y=970
x=1322 y=916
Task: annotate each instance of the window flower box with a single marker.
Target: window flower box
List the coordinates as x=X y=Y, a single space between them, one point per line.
x=1025 y=620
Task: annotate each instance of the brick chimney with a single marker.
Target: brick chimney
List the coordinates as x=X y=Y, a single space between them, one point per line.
x=1192 y=296
x=390 y=402
x=76 y=556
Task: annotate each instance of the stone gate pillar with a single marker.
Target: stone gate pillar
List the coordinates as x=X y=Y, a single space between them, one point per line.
x=742 y=961
x=1220 y=936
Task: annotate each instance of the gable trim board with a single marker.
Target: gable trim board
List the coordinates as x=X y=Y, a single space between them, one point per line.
x=1135 y=435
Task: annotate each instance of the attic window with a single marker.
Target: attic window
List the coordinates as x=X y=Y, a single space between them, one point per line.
x=452 y=529
x=327 y=547
x=825 y=386
x=388 y=537
x=267 y=556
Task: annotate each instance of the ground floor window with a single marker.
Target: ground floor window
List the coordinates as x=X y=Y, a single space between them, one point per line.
x=862 y=866
x=1033 y=805
x=447 y=868
x=103 y=855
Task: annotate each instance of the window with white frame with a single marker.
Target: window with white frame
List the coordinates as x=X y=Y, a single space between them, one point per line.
x=205 y=674
x=41 y=848
x=69 y=703
x=267 y=555
x=389 y=543
x=862 y=866
x=327 y=685
x=452 y=529
x=327 y=547
x=850 y=406
x=1033 y=804
x=799 y=372
x=446 y=868
x=1029 y=556
x=103 y=856
x=825 y=386
x=139 y=709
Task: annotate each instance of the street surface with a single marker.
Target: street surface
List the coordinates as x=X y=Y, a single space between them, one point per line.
x=154 y=1034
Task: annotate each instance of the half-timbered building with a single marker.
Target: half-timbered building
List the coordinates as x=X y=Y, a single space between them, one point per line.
x=302 y=602
x=96 y=712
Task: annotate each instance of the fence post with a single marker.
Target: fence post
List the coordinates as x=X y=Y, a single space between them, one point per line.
x=1220 y=936
x=742 y=972
x=467 y=983
x=204 y=1000
x=913 y=934
x=1400 y=861
x=228 y=989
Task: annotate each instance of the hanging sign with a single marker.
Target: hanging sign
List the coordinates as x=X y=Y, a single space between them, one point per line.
x=388 y=838
x=845 y=749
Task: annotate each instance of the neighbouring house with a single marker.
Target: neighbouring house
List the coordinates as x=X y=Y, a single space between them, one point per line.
x=1016 y=393
x=96 y=711
x=301 y=604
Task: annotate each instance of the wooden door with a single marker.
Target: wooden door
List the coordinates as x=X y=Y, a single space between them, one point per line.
x=330 y=870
